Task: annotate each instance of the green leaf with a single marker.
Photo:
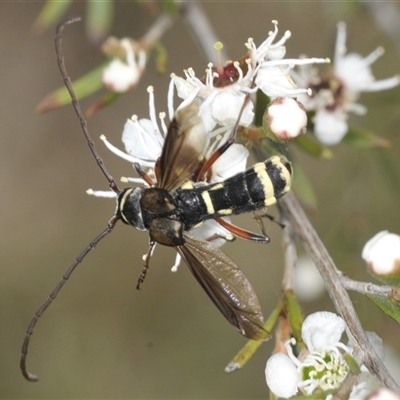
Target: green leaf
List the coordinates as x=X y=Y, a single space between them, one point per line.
x=303 y=187
x=100 y=15
x=295 y=315
x=84 y=86
x=390 y=305
x=51 y=13
x=365 y=139
x=311 y=146
x=251 y=346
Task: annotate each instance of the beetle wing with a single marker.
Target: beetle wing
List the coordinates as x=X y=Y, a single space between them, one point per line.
x=226 y=285
x=184 y=149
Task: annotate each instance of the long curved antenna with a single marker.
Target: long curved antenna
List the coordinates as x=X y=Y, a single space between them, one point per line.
x=111 y=223
x=75 y=103
x=53 y=295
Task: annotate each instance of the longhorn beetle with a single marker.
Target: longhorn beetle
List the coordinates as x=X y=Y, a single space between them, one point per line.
x=179 y=200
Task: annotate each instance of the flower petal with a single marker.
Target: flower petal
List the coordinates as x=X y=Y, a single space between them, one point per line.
x=141 y=140
x=230 y=163
x=227 y=105
x=322 y=329
x=212 y=229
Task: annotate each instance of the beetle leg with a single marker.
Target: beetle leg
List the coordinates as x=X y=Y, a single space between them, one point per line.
x=146 y=259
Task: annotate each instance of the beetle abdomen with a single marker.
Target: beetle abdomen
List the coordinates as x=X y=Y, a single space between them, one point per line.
x=254 y=189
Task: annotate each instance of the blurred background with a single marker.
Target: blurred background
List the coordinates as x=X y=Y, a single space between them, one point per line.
x=102 y=338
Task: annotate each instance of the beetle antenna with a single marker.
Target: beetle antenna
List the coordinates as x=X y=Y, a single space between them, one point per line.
x=53 y=295
x=75 y=102
x=105 y=232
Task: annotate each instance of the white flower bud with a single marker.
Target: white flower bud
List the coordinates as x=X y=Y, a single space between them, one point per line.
x=281 y=376
x=383 y=394
x=382 y=254
x=285 y=119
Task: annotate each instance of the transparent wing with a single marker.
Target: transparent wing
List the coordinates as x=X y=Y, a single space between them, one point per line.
x=184 y=149
x=226 y=285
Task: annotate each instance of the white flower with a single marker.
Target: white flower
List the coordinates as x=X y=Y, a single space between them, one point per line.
x=382 y=253
x=354 y=70
x=220 y=105
x=321 y=366
x=336 y=95
x=224 y=87
x=120 y=76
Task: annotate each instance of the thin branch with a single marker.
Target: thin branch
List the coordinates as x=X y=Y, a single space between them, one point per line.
x=365 y=288
x=332 y=277
x=290 y=253
x=157 y=30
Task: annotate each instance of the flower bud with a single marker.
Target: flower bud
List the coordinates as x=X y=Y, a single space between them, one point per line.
x=281 y=384
x=382 y=254
x=284 y=119
x=383 y=394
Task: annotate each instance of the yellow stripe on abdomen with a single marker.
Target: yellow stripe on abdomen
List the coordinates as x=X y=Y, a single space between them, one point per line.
x=261 y=170
x=208 y=202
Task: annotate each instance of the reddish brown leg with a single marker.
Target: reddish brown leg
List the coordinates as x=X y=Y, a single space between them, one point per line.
x=243 y=233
